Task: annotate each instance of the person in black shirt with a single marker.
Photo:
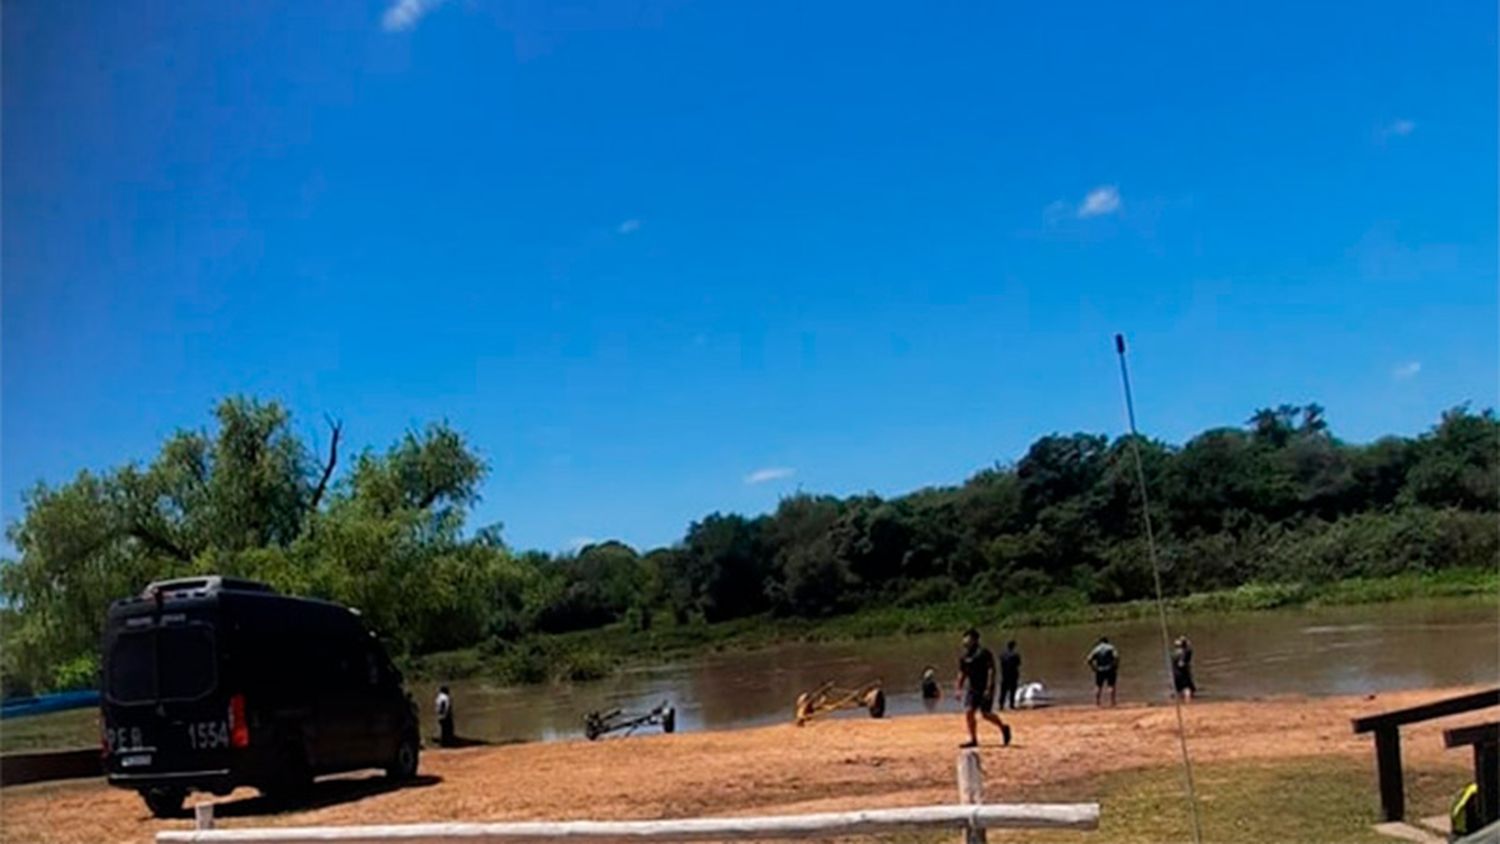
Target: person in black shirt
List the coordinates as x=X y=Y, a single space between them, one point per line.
x=976 y=670
x=1105 y=661
x=1010 y=674
x=1182 y=668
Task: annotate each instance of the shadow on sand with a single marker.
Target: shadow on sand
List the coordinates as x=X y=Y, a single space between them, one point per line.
x=458 y=742
x=329 y=792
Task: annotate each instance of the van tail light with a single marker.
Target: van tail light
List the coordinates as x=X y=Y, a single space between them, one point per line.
x=239 y=729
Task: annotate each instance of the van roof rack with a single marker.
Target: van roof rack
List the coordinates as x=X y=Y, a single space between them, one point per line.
x=203 y=585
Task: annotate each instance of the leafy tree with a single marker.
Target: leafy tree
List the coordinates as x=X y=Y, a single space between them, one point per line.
x=1057 y=468
x=1458 y=463
x=249 y=499
x=811 y=576
x=725 y=562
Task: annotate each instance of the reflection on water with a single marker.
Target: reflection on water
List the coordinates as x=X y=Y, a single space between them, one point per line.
x=1323 y=651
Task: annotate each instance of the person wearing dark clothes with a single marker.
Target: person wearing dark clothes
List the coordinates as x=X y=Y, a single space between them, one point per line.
x=930 y=688
x=1010 y=674
x=976 y=688
x=1182 y=668
x=444 y=707
x=1105 y=661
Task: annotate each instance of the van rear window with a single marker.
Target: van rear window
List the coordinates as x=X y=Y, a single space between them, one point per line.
x=167 y=663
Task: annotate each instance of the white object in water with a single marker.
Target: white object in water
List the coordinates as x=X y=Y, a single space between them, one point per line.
x=1033 y=696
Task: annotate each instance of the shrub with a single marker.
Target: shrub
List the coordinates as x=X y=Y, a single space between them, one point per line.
x=450 y=665
x=80 y=672
x=522 y=663
x=933 y=590
x=577 y=666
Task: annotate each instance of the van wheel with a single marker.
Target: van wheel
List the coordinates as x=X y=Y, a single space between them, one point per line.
x=404 y=765
x=164 y=802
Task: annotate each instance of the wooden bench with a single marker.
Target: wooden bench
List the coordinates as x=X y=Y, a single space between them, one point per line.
x=1485 y=739
x=1387 y=729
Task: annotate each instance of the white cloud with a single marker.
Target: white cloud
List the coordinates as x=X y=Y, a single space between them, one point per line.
x=1099 y=202
x=1407 y=371
x=1102 y=200
x=629 y=226
x=404 y=14
x=770 y=473
x=1401 y=128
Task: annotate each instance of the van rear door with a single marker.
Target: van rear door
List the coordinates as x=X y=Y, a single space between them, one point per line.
x=165 y=711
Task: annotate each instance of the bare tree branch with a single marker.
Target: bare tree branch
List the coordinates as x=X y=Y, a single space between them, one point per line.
x=160 y=543
x=333 y=459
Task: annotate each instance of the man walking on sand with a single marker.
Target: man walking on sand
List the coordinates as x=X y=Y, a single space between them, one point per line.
x=1105 y=661
x=976 y=670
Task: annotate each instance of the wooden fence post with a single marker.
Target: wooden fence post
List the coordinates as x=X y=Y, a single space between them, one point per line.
x=971 y=791
x=1388 y=769
x=1486 y=764
x=203 y=816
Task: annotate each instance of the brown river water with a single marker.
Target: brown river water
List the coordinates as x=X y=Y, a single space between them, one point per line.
x=1317 y=651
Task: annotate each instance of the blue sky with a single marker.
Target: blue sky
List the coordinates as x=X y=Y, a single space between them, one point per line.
x=660 y=259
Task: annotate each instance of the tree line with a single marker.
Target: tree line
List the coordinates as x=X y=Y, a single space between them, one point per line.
x=1279 y=499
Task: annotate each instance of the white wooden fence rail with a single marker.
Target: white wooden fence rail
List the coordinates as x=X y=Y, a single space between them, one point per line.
x=971 y=818
x=871 y=822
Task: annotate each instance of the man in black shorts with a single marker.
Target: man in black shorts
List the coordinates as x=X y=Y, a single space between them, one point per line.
x=1105 y=661
x=976 y=670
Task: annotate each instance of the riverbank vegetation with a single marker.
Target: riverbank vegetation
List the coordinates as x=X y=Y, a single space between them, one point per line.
x=1055 y=535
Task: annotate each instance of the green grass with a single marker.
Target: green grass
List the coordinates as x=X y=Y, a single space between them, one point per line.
x=53 y=731
x=592 y=653
x=1309 y=800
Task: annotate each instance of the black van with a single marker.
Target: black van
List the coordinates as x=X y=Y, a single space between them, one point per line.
x=211 y=683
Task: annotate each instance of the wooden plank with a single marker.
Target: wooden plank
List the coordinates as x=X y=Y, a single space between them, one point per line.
x=1472 y=734
x=22 y=768
x=1388 y=769
x=871 y=822
x=971 y=791
x=1428 y=711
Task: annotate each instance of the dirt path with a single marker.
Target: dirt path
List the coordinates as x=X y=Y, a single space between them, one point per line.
x=836 y=764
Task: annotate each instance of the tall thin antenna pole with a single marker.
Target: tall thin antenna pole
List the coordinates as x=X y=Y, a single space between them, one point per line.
x=1161 y=606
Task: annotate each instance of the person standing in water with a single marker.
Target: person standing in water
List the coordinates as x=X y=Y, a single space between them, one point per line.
x=1105 y=661
x=1182 y=669
x=1010 y=674
x=444 y=707
x=930 y=689
x=976 y=688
